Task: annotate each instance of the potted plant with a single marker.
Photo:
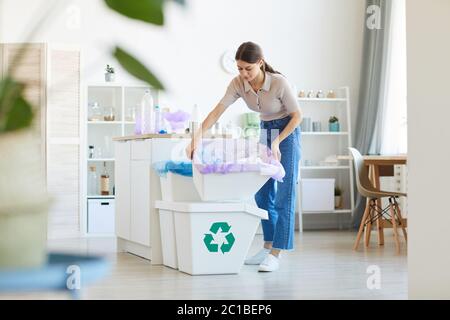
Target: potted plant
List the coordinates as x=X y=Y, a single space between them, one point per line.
x=333 y=124
x=23 y=196
x=337 y=197
x=109 y=75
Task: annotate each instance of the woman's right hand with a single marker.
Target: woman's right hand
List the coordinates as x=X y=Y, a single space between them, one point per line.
x=190 y=150
x=212 y=118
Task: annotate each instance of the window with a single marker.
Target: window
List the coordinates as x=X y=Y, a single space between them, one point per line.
x=394 y=120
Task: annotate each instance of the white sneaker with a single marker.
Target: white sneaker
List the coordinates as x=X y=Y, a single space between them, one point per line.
x=258 y=258
x=270 y=263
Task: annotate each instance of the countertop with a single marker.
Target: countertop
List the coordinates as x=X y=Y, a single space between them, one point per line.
x=169 y=136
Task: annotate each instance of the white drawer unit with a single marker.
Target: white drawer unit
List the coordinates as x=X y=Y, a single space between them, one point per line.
x=101 y=216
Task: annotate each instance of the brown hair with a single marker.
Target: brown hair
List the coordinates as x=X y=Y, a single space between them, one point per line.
x=250 y=52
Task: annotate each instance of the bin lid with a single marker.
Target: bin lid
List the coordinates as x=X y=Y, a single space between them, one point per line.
x=211 y=207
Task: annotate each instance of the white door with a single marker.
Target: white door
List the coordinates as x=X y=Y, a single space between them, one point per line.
x=122 y=170
x=140 y=201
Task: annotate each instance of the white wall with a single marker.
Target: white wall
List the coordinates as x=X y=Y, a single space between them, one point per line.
x=315 y=43
x=428 y=25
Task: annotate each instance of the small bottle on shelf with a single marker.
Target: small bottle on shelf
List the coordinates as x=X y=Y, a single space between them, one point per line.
x=91 y=152
x=104 y=190
x=92 y=181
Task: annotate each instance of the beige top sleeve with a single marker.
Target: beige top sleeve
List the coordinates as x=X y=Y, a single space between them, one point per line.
x=287 y=96
x=231 y=95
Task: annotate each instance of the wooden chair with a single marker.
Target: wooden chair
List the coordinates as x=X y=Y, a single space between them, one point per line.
x=373 y=212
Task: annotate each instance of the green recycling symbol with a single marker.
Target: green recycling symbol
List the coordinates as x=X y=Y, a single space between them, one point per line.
x=209 y=237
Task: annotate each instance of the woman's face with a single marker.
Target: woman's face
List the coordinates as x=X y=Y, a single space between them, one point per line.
x=249 y=71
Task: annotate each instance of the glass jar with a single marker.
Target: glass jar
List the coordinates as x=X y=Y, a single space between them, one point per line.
x=94 y=112
x=109 y=114
x=131 y=114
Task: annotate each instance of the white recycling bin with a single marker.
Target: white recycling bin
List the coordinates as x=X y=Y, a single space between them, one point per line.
x=169 y=245
x=211 y=237
x=234 y=186
x=176 y=187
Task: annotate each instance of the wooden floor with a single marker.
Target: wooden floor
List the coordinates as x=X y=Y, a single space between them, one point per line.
x=323 y=266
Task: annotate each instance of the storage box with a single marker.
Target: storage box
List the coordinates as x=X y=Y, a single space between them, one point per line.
x=101 y=215
x=211 y=238
x=175 y=187
x=317 y=194
x=231 y=186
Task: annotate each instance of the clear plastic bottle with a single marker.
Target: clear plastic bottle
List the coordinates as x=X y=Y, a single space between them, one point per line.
x=93 y=181
x=144 y=120
x=164 y=124
x=158 y=119
x=195 y=120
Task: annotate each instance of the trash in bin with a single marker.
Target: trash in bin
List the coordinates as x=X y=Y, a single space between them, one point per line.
x=183 y=168
x=236 y=155
x=233 y=169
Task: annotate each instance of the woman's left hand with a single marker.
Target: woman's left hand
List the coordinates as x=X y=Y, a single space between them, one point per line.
x=276 y=150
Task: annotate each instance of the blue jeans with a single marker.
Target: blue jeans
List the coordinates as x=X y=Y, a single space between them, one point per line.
x=278 y=198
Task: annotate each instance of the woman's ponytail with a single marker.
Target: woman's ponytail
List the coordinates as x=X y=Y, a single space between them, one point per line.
x=268 y=68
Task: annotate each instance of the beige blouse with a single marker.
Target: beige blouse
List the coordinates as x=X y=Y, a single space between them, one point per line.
x=275 y=99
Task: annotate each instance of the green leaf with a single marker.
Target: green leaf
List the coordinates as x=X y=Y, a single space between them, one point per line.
x=15 y=112
x=20 y=115
x=136 y=68
x=150 y=11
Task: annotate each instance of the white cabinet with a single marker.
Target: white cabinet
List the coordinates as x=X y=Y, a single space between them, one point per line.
x=134 y=200
x=133 y=192
x=122 y=172
x=140 y=201
x=101 y=216
x=141 y=149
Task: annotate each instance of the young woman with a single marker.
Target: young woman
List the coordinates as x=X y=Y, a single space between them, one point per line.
x=268 y=92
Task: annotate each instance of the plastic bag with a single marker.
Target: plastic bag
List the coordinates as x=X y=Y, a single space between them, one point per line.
x=177 y=120
x=237 y=155
x=183 y=168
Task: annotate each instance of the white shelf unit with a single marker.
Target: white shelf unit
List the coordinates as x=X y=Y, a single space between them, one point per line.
x=121 y=97
x=318 y=145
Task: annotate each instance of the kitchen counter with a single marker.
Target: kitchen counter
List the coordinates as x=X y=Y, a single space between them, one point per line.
x=169 y=136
